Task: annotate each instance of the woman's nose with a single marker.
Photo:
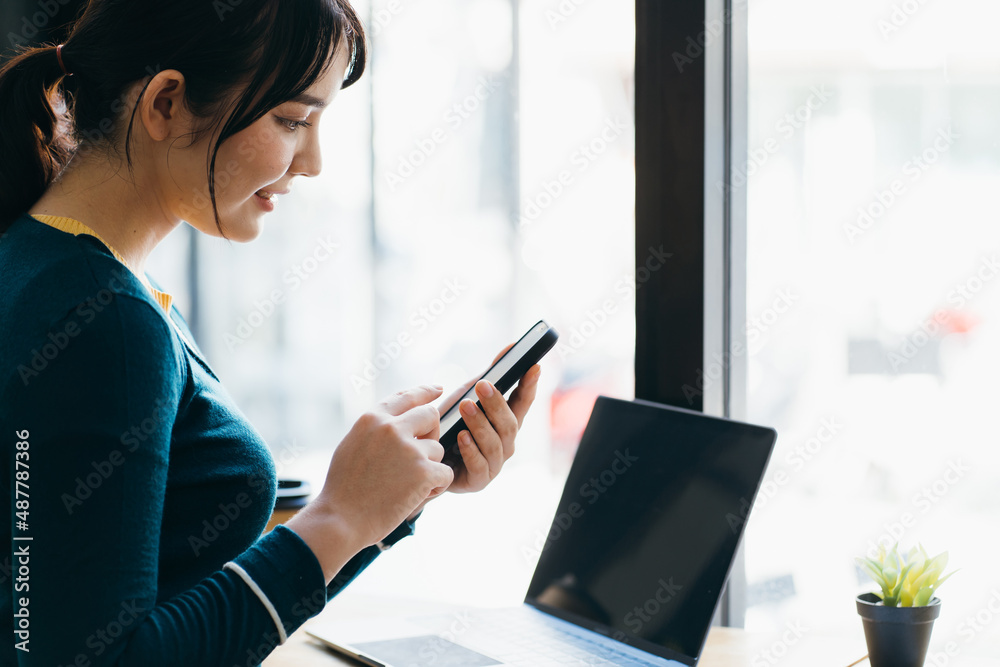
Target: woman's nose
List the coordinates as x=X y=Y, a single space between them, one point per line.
x=308 y=160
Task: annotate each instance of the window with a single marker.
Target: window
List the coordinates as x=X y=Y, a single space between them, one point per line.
x=871 y=303
x=478 y=178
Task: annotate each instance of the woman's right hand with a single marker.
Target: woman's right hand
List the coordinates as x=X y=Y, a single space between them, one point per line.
x=386 y=465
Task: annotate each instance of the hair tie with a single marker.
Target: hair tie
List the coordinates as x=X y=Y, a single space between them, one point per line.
x=62 y=65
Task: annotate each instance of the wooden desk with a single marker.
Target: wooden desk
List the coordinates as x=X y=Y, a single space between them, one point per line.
x=726 y=647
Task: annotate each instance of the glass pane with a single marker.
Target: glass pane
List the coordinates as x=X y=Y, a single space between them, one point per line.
x=872 y=312
x=503 y=195
x=466 y=198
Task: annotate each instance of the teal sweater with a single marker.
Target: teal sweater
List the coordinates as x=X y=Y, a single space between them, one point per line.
x=144 y=489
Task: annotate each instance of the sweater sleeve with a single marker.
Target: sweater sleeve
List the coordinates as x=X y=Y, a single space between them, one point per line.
x=95 y=513
x=367 y=556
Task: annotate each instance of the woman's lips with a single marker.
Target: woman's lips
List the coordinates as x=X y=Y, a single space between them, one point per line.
x=267 y=198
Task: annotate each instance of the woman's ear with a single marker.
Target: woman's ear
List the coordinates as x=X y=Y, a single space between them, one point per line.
x=163 y=111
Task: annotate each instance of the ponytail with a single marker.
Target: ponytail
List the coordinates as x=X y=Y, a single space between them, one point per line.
x=260 y=52
x=35 y=138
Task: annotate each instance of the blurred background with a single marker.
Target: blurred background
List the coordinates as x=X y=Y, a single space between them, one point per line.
x=480 y=177
x=874 y=154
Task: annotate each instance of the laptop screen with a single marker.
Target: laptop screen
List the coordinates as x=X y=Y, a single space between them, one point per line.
x=648 y=524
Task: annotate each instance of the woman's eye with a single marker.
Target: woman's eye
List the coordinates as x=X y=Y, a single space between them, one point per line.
x=292 y=125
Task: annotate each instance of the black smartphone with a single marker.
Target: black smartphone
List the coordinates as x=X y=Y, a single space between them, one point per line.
x=508 y=369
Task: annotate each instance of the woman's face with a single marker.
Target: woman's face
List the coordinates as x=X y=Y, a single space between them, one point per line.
x=255 y=166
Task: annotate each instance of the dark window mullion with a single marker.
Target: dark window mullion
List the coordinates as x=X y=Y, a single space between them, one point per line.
x=669 y=206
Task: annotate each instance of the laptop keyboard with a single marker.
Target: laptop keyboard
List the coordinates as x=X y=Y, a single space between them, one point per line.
x=529 y=638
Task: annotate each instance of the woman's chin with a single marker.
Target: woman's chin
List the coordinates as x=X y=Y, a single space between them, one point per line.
x=239 y=228
x=248 y=229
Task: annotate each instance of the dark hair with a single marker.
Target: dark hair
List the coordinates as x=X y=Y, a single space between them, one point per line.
x=269 y=51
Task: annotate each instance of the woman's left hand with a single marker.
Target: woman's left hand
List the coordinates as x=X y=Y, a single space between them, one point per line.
x=488 y=439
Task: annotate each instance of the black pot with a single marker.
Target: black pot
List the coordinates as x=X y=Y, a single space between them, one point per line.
x=897 y=636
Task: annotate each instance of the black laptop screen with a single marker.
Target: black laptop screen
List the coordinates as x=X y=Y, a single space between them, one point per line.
x=648 y=524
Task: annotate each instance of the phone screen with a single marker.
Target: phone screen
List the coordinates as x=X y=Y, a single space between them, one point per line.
x=496 y=371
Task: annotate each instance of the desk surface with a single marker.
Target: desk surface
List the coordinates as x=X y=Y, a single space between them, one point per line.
x=726 y=647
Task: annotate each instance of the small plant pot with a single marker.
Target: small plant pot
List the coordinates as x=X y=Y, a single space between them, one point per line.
x=897 y=636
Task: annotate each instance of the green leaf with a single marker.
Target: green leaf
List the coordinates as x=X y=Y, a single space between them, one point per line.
x=875 y=565
x=873 y=569
x=926 y=579
x=901 y=578
x=917 y=566
x=893 y=555
x=906 y=579
x=939 y=562
x=943 y=579
x=898 y=588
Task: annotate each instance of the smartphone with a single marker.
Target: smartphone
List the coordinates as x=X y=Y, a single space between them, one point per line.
x=508 y=369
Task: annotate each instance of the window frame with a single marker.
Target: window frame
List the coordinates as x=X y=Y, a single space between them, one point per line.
x=691 y=122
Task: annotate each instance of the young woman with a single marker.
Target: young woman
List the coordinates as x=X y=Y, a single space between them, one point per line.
x=135 y=489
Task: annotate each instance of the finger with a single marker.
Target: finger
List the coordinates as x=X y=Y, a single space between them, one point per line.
x=434 y=432
x=419 y=421
x=476 y=465
x=522 y=397
x=437 y=491
x=487 y=439
x=404 y=400
x=432 y=449
x=500 y=415
x=454 y=396
x=441 y=476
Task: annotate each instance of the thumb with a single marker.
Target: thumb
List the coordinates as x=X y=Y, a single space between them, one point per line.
x=442 y=476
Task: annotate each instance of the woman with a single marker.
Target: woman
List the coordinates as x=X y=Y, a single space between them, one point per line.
x=137 y=489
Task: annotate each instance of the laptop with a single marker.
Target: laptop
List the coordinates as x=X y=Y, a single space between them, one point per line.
x=634 y=563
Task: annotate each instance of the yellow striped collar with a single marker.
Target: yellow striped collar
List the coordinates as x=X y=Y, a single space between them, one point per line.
x=75 y=227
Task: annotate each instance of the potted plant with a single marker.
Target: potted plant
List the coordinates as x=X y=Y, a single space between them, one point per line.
x=898 y=619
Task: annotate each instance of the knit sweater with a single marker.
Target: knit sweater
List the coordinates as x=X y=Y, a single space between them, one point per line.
x=135 y=489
